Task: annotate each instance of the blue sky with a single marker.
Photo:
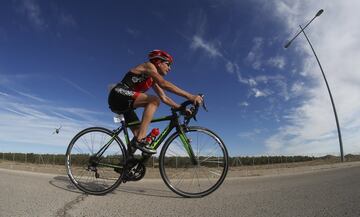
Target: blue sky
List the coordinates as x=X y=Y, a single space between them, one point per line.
x=58 y=57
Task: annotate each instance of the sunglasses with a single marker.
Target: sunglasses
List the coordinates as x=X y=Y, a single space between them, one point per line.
x=167 y=63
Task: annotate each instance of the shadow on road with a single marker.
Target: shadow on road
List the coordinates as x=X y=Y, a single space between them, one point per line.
x=147 y=191
x=64 y=183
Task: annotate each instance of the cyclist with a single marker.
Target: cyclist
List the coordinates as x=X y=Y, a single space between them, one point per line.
x=130 y=94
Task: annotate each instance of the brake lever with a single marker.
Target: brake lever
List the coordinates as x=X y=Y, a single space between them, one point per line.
x=203 y=103
x=204 y=106
x=195 y=109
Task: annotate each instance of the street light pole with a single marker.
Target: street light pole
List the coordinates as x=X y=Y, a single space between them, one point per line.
x=322 y=71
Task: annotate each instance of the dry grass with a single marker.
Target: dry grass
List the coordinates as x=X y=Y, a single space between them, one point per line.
x=238 y=171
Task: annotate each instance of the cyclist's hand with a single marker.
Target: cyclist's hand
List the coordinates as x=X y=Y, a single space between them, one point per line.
x=188 y=112
x=197 y=100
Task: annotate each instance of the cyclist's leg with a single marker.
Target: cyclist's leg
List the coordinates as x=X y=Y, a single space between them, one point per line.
x=130 y=116
x=150 y=104
x=135 y=130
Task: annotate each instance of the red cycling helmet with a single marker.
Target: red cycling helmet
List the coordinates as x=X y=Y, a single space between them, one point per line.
x=160 y=54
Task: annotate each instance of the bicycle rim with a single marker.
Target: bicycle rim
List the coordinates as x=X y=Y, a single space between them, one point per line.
x=187 y=179
x=100 y=177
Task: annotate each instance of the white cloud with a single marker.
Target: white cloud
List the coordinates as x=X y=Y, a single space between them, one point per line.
x=33 y=12
x=244 y=104
x=4 y=94
x=297 y=88
x=29 y=120
x=231 y=67
x=278 y=80
x=260 y=93
x=197 y=20
x=254 y=58
x=283 y=89
x=250 y=134
x=234 y=68
x=210 y=49
x=31 y=96
x=67 y=20
x=76 y=86
x=311 y=127
x=33 y=123
x=255 y=55
x=277 y=61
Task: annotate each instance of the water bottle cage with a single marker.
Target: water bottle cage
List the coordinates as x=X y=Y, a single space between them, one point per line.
x=152 y=135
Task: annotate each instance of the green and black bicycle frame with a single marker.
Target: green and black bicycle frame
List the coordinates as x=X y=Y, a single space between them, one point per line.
x=174 y=123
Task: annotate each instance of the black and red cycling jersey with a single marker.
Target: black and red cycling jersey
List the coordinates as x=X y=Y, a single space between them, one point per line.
x=136 y=83
x=122 y=96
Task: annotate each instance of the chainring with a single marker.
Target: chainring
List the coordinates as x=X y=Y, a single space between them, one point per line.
x=135 y=170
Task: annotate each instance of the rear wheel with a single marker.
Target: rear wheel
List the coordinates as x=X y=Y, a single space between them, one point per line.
x=95 y=175
x=186 y=177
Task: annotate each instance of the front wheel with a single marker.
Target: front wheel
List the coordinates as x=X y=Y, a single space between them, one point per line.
x=195 y=176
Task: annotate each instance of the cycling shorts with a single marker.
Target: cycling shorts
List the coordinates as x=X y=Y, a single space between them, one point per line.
x=121 y=101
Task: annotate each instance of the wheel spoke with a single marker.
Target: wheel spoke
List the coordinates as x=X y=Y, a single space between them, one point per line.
x=206 y=176
x=210 y=155
x=87 y=145
x=197 y=175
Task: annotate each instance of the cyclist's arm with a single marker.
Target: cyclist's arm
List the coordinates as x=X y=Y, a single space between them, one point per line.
x=152 y=72
x=165 y=99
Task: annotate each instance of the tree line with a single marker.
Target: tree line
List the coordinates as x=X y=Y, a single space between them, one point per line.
x=59 y=159
x=264 y=160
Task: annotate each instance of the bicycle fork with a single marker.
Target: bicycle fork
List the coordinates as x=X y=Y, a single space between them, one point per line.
x=187 y=145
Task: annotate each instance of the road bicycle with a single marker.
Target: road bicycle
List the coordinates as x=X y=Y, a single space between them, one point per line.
x=193 y=161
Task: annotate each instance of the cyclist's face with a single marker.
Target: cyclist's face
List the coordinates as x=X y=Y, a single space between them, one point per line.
x=164 y=67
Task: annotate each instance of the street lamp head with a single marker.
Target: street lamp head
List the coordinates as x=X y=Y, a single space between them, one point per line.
x=302 y=29
x=319 y=13
x=287 y=44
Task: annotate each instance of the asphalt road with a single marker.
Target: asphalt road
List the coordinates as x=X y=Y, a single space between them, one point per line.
x=334 y=192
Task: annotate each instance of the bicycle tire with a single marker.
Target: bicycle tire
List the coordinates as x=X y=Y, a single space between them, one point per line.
x=78 y=153
x=210 y=170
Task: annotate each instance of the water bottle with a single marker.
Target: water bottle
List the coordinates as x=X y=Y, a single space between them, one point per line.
x=152 y=135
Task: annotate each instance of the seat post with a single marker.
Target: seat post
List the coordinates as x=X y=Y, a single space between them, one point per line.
x=122 y=118
x=119 y=118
